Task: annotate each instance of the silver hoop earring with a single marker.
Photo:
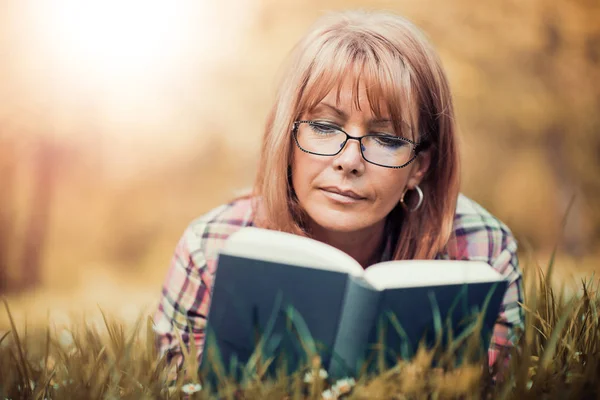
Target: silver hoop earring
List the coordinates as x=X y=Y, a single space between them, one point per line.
x=419 y=202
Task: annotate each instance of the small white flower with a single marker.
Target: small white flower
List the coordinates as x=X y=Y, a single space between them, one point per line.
x=529 y=385
x=56 y=386
x=344 y=385
x=65 y=338
x=32 y=384
x=329 y=394
x=191 y=388
x=308 y=377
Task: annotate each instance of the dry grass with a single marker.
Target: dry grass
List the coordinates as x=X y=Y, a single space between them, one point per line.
x=558 y=356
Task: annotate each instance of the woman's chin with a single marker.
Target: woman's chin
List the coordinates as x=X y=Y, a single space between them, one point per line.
x=342 y=224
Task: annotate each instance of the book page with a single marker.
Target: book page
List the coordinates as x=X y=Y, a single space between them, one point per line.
x=419 y=273
x=286 y=248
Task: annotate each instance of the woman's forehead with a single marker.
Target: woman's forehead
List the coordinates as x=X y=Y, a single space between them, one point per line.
x=353 y=94
x=345 y=99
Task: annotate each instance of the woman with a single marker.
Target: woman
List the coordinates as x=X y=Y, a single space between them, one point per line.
x=360 y=152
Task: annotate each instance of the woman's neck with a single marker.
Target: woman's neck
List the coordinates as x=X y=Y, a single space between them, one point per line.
x=365 y=246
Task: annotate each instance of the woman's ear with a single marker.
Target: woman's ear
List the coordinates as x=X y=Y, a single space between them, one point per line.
x=419 y=170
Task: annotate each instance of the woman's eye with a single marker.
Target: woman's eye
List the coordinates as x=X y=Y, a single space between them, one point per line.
x=324 y=128
x=390 y=141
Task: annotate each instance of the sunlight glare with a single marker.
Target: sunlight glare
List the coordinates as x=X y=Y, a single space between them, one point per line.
x=117 y=37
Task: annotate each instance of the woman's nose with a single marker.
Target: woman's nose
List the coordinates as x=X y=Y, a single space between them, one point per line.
x=350 y=158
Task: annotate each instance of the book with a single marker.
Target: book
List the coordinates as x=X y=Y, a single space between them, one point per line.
x=282 y=297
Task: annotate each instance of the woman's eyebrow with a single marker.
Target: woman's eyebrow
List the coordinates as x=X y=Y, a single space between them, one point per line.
x=374 y=121
x=381 y=121
x=334 y=109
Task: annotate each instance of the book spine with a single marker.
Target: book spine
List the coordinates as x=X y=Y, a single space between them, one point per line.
x=359 y=310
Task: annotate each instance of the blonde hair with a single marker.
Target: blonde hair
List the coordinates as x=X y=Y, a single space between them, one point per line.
x=399 y=68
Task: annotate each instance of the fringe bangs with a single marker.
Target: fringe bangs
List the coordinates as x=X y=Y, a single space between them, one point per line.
x=385 y=77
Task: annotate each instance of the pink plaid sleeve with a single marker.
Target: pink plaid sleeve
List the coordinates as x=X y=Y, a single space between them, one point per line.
x=479 y=236
x=184 y=303
x=510 y=317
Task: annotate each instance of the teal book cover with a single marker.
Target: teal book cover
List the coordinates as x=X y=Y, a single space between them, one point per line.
x=276 y=297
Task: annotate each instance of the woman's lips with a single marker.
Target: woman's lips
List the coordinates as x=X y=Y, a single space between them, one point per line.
x=342 y=195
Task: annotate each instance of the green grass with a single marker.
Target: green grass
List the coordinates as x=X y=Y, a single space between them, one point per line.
x=558 y=356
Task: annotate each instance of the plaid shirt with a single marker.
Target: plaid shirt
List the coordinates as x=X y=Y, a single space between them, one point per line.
x=186 y=293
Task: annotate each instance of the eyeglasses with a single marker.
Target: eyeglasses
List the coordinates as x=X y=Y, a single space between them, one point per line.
x=381 y=149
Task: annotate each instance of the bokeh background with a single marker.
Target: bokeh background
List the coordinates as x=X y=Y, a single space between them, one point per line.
x=122 y=120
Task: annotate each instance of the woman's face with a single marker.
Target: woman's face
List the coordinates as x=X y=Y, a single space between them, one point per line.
x=371 y=191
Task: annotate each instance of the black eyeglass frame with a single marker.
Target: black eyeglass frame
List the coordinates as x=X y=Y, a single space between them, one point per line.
x=417 y=146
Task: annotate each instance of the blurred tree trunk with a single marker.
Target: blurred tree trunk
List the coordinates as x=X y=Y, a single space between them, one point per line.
x=6 y=217
x=36 y=228
x=560 y=133
x=574 y=239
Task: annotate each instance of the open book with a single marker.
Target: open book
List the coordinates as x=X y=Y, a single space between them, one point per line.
x=285 y=295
